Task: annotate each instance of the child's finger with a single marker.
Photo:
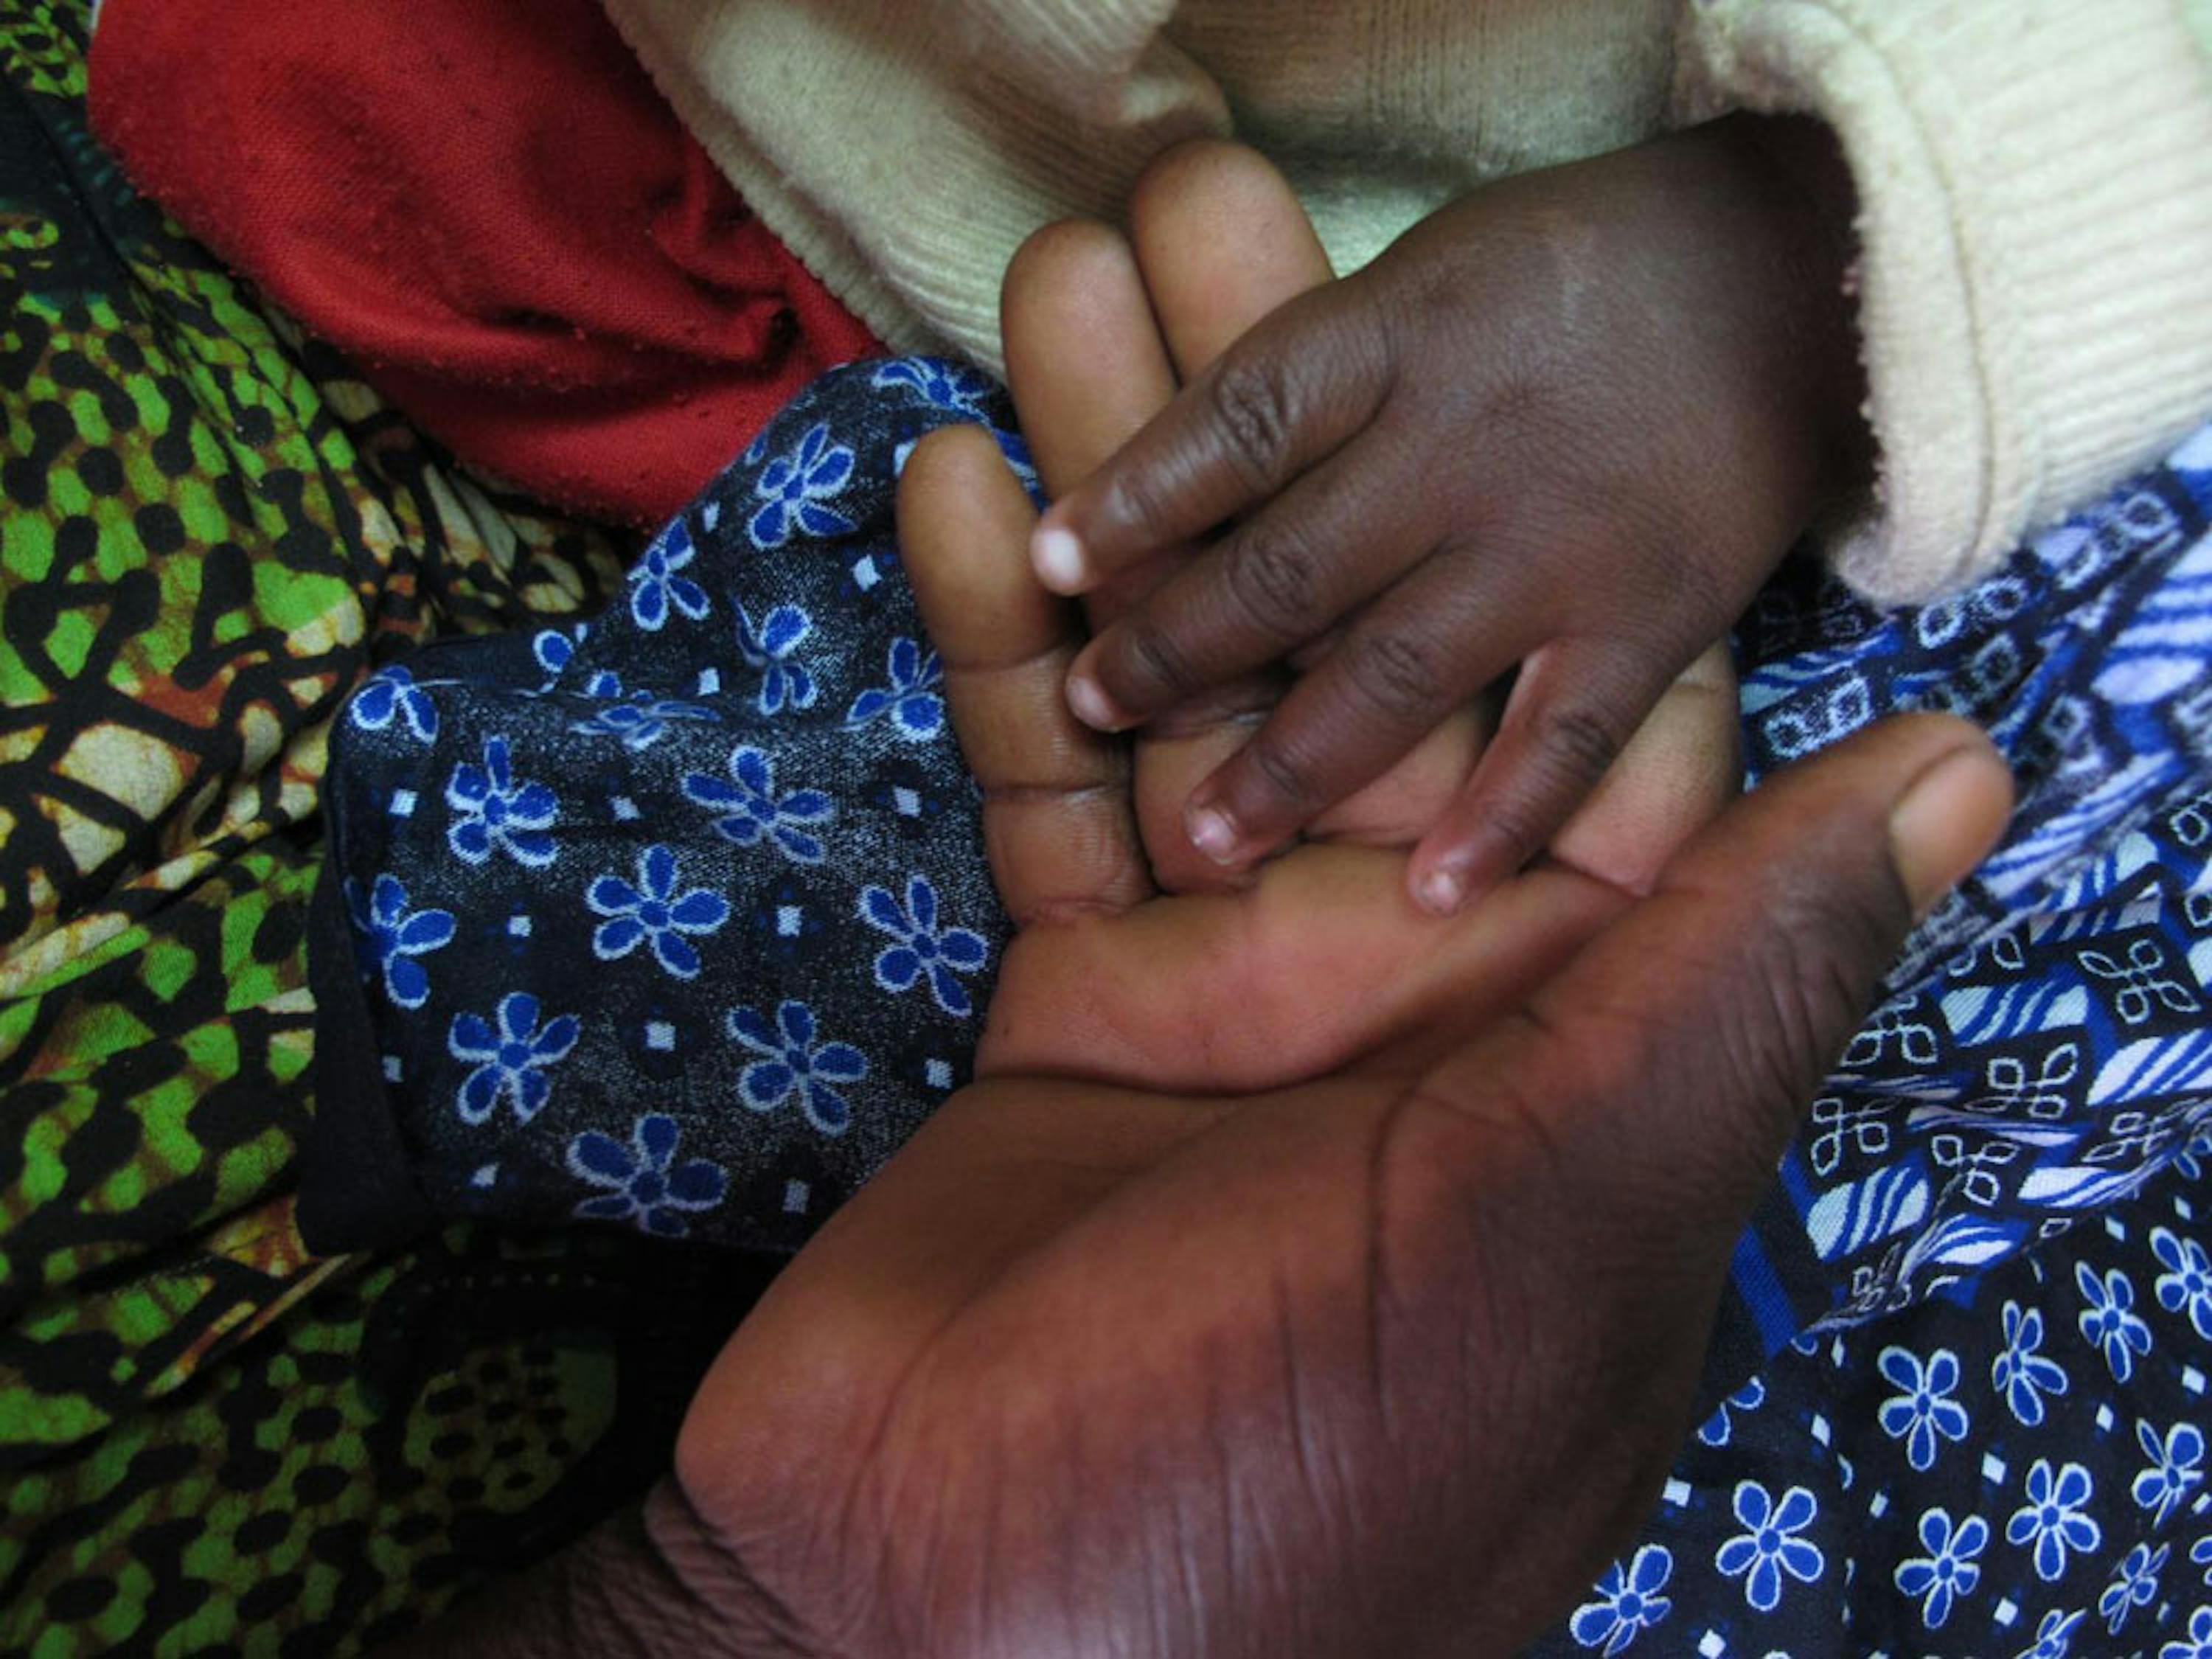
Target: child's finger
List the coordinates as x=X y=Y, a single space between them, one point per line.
x=1222 y=241
x=1677 y=771
x=1288 y=393
x=1572 y=715
x=1056 y=813
x=1303 y=561
x=1405 y=665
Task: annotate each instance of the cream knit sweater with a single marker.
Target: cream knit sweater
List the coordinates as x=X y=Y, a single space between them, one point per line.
x=2035 y=178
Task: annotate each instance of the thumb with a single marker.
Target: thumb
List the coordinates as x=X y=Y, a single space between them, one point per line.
x=1665 y=1068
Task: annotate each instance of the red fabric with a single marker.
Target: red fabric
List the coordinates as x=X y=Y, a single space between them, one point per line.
x=488 y=205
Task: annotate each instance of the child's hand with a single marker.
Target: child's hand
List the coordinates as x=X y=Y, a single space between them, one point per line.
x=1569 y=422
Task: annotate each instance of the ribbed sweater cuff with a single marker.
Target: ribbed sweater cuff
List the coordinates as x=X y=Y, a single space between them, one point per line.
x=2035 y=219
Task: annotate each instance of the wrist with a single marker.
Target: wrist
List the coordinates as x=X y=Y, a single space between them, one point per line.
x=1798 y=167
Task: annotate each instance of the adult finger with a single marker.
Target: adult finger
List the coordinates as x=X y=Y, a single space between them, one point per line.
x=1087 y=366
x=1659 y=1075
x=1056 y=813
x=1289 y=392
x=1223 y=240
x=1084 y=359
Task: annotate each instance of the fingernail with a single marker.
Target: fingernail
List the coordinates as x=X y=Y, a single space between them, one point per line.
x=1089 y=702
x=1440 y=891
x=1950 y=816
x=1057 y=557
x=1211 y=833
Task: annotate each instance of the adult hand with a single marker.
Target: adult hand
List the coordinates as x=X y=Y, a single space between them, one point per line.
x=1389 y=1361
x=1568 y=424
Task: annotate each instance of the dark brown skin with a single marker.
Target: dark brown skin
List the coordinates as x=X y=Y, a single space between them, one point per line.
x=1565 y=426
x=1307 y=1276
x=1357 y=1367
x=1384 y=1362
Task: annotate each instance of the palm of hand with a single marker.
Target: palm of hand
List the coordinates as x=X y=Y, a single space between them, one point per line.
x=1317 y=955
x=918 y=1443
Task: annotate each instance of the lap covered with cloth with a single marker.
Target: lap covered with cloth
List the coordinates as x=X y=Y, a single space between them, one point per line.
x=211 y=1438
x=182 y=1367
x=678 y=920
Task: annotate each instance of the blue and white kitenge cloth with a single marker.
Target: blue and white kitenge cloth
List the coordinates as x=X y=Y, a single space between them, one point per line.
x=680 y=921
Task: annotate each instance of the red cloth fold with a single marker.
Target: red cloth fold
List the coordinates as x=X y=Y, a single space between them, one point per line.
x=489 y=206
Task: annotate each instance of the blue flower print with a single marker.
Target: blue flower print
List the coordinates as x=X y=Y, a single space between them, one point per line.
x=2188 y=1283
x=2176 y=1465
x=655 y=589
x=910 y=699
x=491 y=809
x=2199 y=1644
x=1770 y=1548
x=643 y=1187
x=2106 y=1321
x=2200 y=1553
x=552 y=648
x=2052 y=1519
x=2021 y=1374
x=784 y=683
x=2135 y=1585
x=392 y=696
x=752 y=812
x=1625 y=1604
x=923 y=948
x=395 y=936
x=1925 y=1410
x=1716 y=1428
x=642 y=720
x=795 y=486
x=795 y=1062
x=2054 y=1635
x=510 y=1062
x=653 y=912
x=1947 y=1571
x=943 y=385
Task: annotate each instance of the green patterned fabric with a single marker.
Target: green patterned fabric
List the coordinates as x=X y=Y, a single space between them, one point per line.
x=210 y=1440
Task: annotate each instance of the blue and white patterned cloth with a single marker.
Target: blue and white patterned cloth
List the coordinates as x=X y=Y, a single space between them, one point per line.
x=678 y=918
x=680 y=921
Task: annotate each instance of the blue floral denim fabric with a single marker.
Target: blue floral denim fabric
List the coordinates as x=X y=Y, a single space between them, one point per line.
x=678 y=918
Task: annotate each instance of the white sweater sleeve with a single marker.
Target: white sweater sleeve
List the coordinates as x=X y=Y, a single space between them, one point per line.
x=2035 y=221
x=904 y=150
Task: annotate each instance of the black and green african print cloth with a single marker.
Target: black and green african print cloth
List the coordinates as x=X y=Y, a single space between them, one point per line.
x=212 y=1441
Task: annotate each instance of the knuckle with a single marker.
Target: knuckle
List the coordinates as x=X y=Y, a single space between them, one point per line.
x=1397 y=676
x=1151 y=667
x=1579 y=742
x=1284 y=776
x=1254 y=413
x=1275 y=580
x=1805 y=981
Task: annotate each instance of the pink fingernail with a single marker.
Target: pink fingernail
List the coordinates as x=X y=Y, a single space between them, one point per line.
x=1057 y=557
x=1091 y=705
x=1212 y=834
x=1440 y=892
